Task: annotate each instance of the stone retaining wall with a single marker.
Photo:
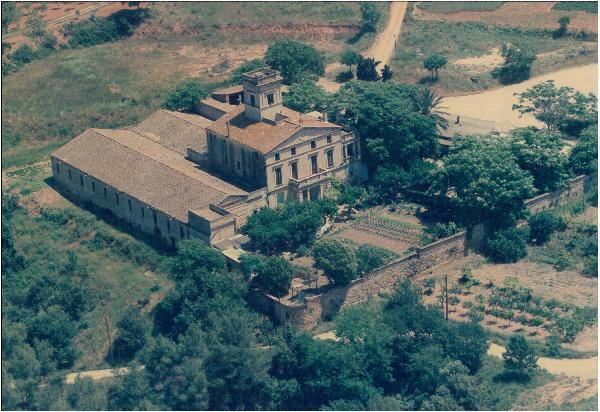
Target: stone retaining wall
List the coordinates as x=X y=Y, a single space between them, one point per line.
x=574 y=190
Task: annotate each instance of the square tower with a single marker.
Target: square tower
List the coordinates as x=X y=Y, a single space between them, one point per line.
x=262 y=94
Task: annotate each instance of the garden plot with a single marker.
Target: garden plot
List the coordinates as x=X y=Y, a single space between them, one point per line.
x=397 y=231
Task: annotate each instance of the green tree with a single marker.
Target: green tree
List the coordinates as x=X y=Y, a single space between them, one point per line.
x=337 y=259
x=305 y=96
x=517 y=64
x=293 y=59
x=23 y=55
x=185 y=96
x=429 y=285
x=349 y=58
x=85 y=394
x=540 y=153
x=563 y=27
x=519 y=356
x=383 y=115
x=386 y=73
x=542 y=225
x=428 y=103
x=583 y=158
x=558 y=108
x=370 y=16
x=274 y=275
x=506 y=245
x=132 y=335
x=193 y=255
x=485 y=180
x=371 y=257
x=434 y=63
x=366 y=69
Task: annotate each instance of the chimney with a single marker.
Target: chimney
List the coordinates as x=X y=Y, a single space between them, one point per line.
x=227 y=123
x=324 y=115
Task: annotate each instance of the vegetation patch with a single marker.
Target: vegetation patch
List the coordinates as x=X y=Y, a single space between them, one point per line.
x=446 y=7
x=588 y=6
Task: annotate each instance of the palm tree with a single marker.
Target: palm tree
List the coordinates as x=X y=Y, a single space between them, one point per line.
x=428 y=103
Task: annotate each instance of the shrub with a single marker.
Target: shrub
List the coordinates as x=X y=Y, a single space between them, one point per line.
x=132 y=335
x=519 y=356
x=23 y=55
x=543 y=224
x=506 y=245
x=274 y=275
x=337 y=259
x=98 y=30
x=517 y=64
x=344 y=76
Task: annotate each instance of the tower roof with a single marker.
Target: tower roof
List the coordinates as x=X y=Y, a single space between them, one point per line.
x=261 y=76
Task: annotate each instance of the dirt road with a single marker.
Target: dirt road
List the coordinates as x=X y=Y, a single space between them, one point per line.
x=496 y=105
x=97 y=374
x=381 y=49
x=581 y=368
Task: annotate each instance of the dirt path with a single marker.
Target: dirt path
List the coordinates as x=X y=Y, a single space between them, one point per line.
x=496 y=105
x=381 y=49
x=97 y=374
x=581 y=368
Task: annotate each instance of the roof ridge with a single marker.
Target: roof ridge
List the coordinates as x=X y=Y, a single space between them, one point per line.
x=171 y=113
x=161 y=163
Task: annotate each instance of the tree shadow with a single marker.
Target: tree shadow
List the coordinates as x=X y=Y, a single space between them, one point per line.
x=354 y=39
x=509 y=376
x=427 y=80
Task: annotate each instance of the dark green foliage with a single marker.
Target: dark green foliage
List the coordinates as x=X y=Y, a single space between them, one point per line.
x=519 y=356
x=337 y=259
x=293 y=59
x=539 y=153
x=132 y=335
x=185 y=95
x=370 y=16
x=345 y=76
x=588 y=6
x=583 y=158
x=10 y=13
x=98 y=30
x=274 y=275
x=386 y=73
x=305 y=96
x=371 y=257
x=384 y=117
x=487 y=182
x=506 y=245
x=517 y=64
x=287 y=227
x=349 y=58
x=23 y=55
x=366 y=69
x=543 y=224
x=247 y=66
x=563 y=22
x=434 y=63
x=440 y=231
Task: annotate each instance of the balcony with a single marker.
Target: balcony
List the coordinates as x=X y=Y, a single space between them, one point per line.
x=322 y=176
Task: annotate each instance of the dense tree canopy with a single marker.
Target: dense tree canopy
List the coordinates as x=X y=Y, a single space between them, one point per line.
x=337 y=259
x=305 y=96
x=385 y=118
x=517 y=64
x=540 y=153
x=370 y=16
x=583 y=158
x=481 y=181
x=293 y=59
x=274 y=275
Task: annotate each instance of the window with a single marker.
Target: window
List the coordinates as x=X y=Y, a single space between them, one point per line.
x=69 y=174
x=142 y=210
x=129 y=204
x=181 y=231
x=278 y=178
x=93 y=186
x=105 y=192
x=252 y=101
x=294 y=167
x=280 y=198
x=81 y=180
x=344 y=152
x=239 y=165
x=154 y=218
x=168 y=226
x=314 y=165
x=305 y=194
x=313 y=144
x=293 y=151
x=270 y=99
x=350 y=149
x=57 y=168
x=277 y=157
x=117 y=197
x=328 y=138
x=330 y=158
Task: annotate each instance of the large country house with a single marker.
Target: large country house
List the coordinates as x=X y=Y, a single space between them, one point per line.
x=185 y=175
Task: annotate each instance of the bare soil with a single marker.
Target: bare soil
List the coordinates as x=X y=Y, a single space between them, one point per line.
x=361 y=236
x=527 y=15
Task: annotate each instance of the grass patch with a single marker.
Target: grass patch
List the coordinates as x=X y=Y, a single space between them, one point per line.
x=447 y=7
x=588 y=6
x=421 y=38
x=589 y=404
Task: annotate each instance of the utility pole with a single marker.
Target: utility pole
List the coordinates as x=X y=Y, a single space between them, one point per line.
x=446 y=281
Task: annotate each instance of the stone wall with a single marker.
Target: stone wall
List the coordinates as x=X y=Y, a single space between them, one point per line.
x=323 y=306
x=574 y=190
